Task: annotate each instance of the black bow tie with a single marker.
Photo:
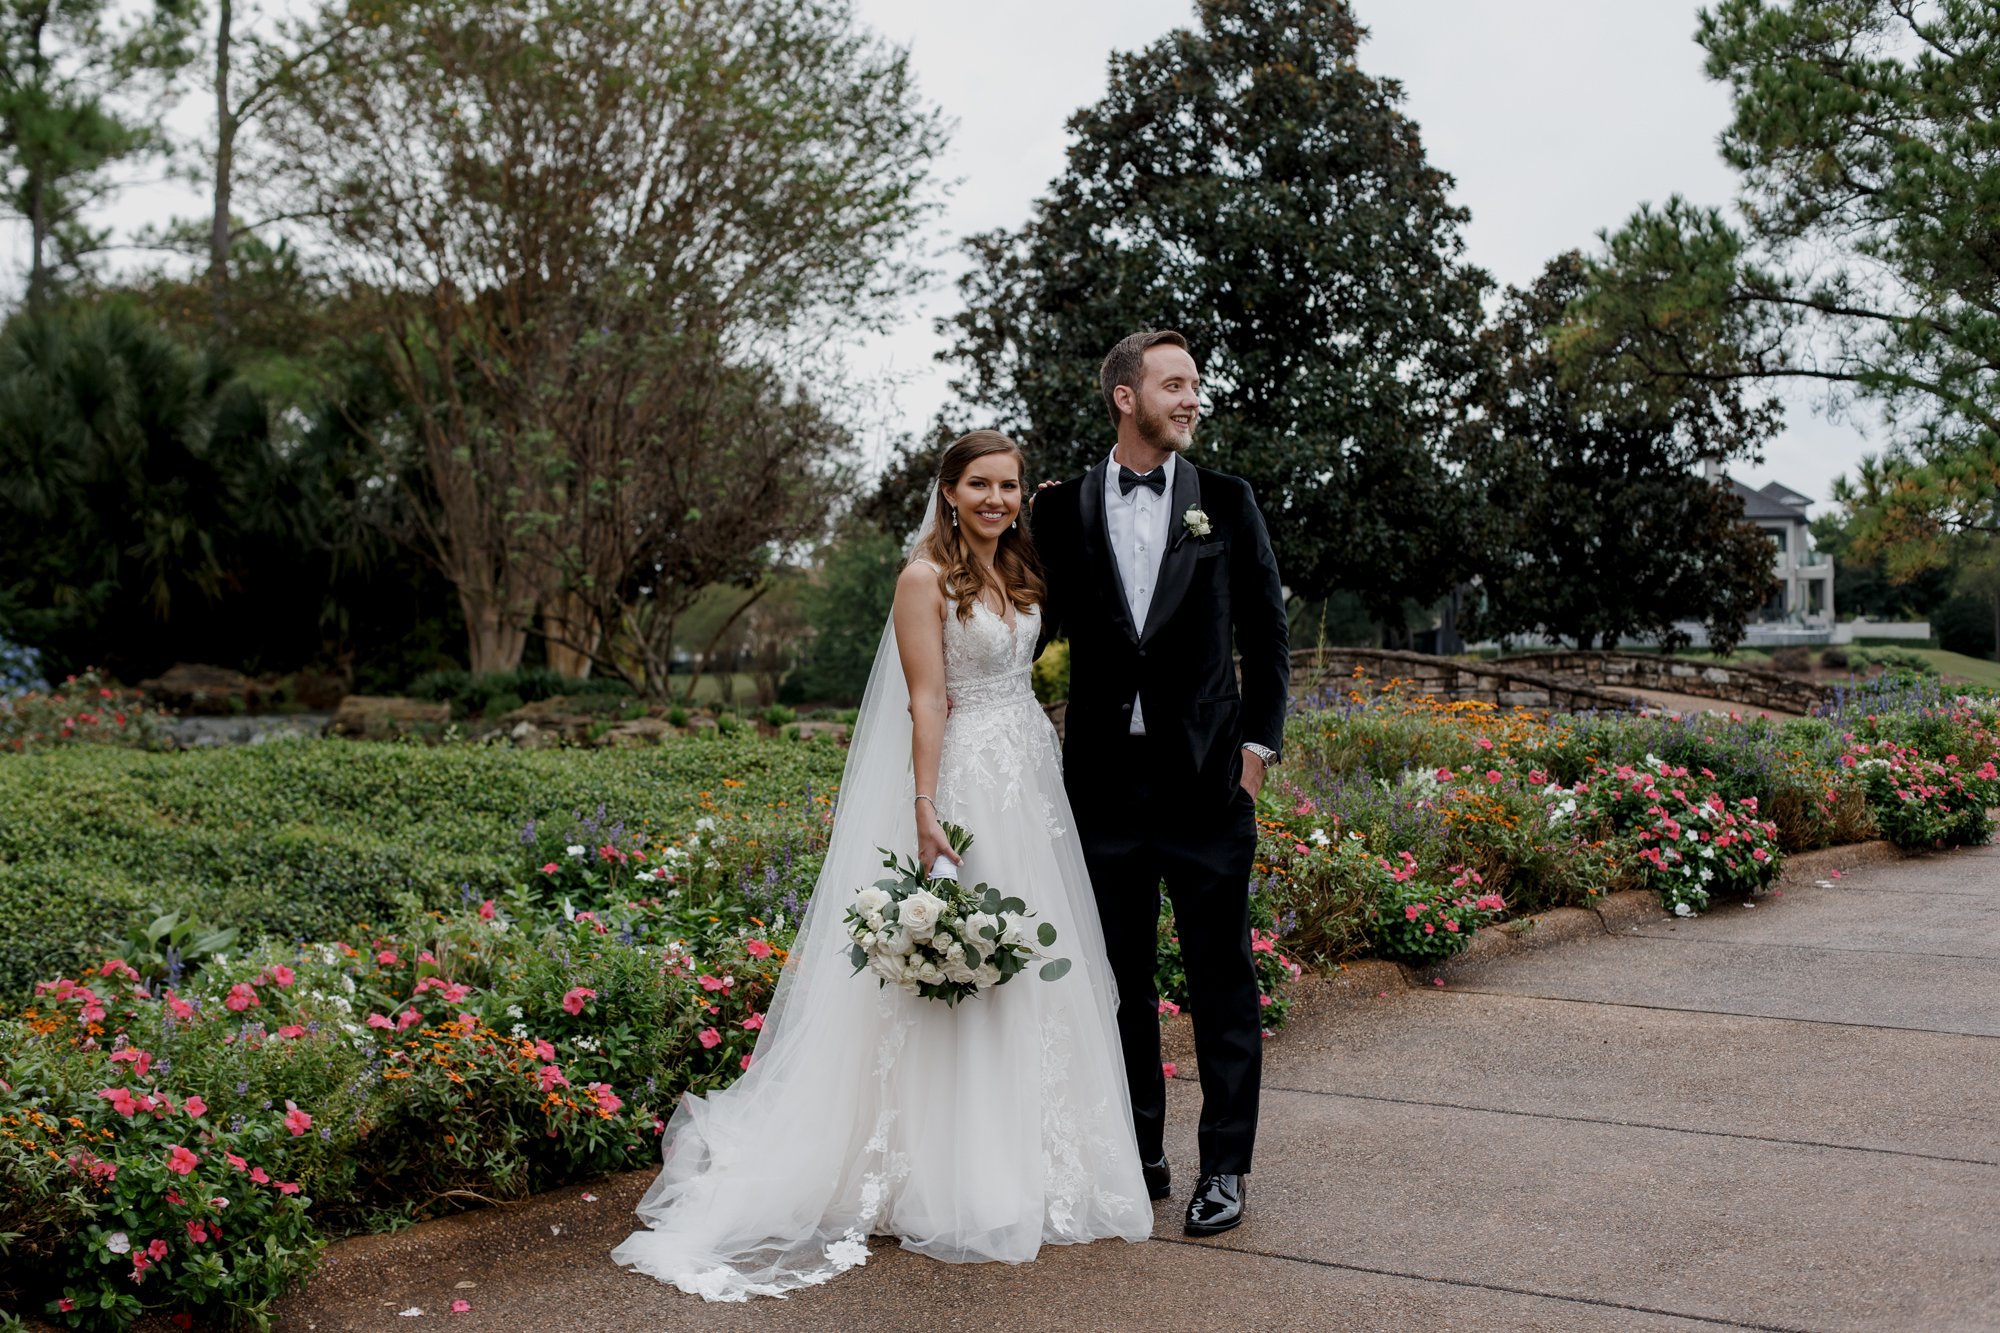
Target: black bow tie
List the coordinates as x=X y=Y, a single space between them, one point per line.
x=1155 y=481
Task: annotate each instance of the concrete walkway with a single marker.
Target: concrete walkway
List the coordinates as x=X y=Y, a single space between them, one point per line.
x=1779 y=1116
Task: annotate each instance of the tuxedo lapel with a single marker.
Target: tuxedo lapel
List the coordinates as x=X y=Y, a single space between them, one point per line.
x=1097 y=549
x=1177 y=565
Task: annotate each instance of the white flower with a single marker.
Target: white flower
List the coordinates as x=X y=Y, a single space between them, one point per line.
x=1013 y=933
x=520 y=1032
x=705 y=823
x=1320 y=839
x=514 y=1011
x=1682 y=909
x=118 y=1242
x=886 y=966
x=976 y=923
x=957 y=972
x=1196 y=522
x=919 y=913
x=871 y=901
x=574 y=850
x=986 y=976
x=849 y=1252
x=899 y=944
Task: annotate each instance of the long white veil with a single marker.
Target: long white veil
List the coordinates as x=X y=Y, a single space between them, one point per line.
x=800 y=1059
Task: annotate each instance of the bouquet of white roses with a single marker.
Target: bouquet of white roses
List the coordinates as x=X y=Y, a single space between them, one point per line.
x=937 y=938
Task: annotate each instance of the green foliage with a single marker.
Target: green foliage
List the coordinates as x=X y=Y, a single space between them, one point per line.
x=301 y=840
x=846 y=607
x=1609 y=529
x=1247 y=183
x=1051 y=673
x=1855 y=267
x=493 y=693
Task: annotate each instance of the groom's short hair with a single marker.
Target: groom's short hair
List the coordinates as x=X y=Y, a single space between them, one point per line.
x=1126 y=363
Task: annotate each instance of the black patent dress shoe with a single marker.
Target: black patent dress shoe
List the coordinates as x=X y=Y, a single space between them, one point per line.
x=1159 y=1184
x=1217 y=1205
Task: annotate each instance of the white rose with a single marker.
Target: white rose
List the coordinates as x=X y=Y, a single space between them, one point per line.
x=886 y=967
x=929 y=974
x=976 y=923
x=898 y=943
x=957 y=972
x=986 y=976
x=871 y=901
x=1015 y=933
x=920 y=912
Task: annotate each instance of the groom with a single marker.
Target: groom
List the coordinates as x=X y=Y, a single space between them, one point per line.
x=1156 y=568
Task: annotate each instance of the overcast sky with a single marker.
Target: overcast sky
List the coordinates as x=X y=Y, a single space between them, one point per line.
x=1555 y=117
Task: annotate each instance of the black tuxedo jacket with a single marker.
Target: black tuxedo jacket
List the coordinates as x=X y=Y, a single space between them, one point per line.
x=1215 y=593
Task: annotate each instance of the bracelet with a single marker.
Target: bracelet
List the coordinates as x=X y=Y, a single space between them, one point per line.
x=922 y=797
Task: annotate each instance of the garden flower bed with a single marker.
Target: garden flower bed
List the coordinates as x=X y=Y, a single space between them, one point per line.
x=432 y=1004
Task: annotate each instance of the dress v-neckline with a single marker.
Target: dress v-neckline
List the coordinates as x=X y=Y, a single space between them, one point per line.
x=1013 y=627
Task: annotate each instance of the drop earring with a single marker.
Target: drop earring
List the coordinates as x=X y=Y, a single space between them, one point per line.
x=954 y=516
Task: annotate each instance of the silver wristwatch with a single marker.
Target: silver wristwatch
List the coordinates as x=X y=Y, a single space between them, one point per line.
x=1264 y=752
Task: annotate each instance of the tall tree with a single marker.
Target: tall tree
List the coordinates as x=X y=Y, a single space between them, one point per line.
x=1602 y=524
x=64 y=66
x=1869 y=253
x=1247 y=183
x=583 y=224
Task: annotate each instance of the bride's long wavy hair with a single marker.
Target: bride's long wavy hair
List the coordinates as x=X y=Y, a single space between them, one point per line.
x=1014 y=561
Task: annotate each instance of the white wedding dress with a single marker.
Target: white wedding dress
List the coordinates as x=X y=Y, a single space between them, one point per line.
x=980 y=1132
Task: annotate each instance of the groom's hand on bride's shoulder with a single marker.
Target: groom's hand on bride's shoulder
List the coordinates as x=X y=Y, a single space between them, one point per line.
x=1040 y=487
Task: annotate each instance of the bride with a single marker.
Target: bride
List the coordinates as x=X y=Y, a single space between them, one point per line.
x=972 y=1133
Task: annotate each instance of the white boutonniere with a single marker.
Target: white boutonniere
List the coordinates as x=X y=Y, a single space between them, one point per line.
x=1195 y=521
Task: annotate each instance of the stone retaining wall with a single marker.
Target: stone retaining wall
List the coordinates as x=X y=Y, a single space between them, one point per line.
x=1747 y=686
x=1504 y=684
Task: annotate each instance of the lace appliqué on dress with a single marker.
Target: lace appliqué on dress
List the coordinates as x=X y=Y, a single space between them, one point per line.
x=997 y=739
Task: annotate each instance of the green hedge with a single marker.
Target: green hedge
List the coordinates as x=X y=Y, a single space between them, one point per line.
x=304 y=838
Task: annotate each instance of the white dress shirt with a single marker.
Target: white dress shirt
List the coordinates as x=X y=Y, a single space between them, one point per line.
x=1138 y=523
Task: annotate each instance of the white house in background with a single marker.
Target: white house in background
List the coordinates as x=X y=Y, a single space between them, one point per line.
x=1803 y=592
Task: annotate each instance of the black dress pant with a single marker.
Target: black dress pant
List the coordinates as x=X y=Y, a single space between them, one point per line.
x=1135 y=838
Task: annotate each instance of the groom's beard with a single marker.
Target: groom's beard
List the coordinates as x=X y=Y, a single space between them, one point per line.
x=1159 y=430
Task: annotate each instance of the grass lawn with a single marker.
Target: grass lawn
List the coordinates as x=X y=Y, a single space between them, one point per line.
x=1957 y=666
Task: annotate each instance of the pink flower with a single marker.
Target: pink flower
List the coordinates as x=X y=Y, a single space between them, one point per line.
x=287 y=1187
x=1484 y=743
x=746 y=1063
x=1492 y=775
x=757 y=949
x=259 y=1176
x=387 y=958
x=296 y=1120
x=486 y=912
x=180 y=1161
x=753 y=1023
x=1168 y=1068
x=608 y=1101
x=291 y=1031
x=576 y=997
x=180 y=1008
x=461 y=1307
x=552 y=1078
x=709 y=983
x=710 y=1038
x=1411 y=911
x=234 y=1160
x=195 y=1107
x=1451 y=925
x=241 y=997
x=120 y=1099
x=454 y=992
x=283 y=975
x=408 y=1019
x=1430 y=929
x=140 y=1061
x=427 y=957
x=548 y=869
x=156 y=1250
x=382 y=1021
x=543 y=1049
x=197 y=1232
x=1168 y=1008
x=1264 y=1000
x=65 y=1305
x=1445 y=775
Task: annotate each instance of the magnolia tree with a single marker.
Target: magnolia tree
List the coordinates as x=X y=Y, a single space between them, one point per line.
x=602 y=246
